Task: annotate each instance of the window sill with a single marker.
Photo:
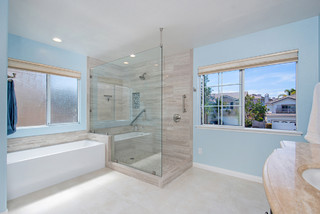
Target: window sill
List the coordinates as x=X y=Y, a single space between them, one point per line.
x=44 y=130
x=253 y=130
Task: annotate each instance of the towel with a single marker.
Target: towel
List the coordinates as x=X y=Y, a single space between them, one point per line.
x=313 y=133
x=11 y=109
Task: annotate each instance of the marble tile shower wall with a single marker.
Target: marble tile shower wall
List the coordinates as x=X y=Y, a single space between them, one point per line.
x=177 y=137
x=18 y=144
x=149 y=91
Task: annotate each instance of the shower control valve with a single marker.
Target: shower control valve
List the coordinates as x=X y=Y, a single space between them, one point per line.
x=176 y=118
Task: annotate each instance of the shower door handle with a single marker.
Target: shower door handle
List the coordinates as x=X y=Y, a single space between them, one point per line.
x=184 y=103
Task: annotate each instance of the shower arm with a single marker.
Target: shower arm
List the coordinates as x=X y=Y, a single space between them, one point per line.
x=134 y=120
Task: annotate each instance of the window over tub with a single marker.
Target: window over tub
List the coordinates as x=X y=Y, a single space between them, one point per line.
x=258 y=92
x=46 y=95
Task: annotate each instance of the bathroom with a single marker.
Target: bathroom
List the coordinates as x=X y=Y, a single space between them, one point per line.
x=135 y=135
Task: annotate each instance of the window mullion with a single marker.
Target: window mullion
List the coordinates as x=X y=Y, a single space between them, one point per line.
x=219 y=101
x=203 y=90
x=48 y=101
x=79 y=100
x=242 y=97
x=221 y=112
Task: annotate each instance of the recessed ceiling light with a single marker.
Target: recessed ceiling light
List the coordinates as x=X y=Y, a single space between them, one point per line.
x=56 y=39
x=132 y=55
x=126 y=63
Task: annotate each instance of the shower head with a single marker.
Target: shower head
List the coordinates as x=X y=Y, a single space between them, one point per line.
x=142 y=77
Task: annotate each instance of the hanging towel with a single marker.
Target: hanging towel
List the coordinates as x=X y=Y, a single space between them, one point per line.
x=12 y=109
x=313 y=133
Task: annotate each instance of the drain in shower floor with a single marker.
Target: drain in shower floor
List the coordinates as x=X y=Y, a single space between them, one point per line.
x=131 y=158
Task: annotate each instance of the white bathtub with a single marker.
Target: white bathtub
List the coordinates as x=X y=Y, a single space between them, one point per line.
x=34 y=169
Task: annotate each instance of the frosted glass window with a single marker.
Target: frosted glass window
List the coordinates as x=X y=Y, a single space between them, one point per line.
x=64 y=99
x=30 y=89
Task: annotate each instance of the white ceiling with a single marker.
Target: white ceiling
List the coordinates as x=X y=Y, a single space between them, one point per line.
x=108 y=29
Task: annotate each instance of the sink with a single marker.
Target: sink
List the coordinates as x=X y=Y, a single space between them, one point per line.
x=312 y=176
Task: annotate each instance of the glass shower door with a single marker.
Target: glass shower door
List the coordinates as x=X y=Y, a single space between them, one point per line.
x=126 y=101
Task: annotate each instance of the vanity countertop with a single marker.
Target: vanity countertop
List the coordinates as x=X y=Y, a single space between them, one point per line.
x=286 y=190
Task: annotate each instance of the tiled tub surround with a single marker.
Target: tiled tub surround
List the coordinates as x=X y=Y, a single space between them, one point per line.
x=23 y=143
x=35 y=169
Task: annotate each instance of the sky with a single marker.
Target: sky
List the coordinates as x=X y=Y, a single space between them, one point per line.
x=272 y=79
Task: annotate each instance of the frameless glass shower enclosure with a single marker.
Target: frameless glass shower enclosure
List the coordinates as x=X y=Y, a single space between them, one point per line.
x=126 y=102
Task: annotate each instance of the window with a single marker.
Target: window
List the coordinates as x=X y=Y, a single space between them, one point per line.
x=63 y=99
x=259 y=94
x=30 y=88
x=222 y=98
x=44 y=95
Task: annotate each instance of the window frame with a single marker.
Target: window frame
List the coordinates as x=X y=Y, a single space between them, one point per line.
x=48 y=70
x=242 y=127
x=49 y=103
x=221 y=85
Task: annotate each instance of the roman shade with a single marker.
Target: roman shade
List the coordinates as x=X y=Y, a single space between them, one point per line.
x=270 y=59
x=41 y=68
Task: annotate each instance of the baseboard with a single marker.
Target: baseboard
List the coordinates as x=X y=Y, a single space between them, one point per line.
x=228 y=172
x=5 y=212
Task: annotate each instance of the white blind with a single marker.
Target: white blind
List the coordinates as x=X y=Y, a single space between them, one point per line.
x=270 y=59
x=41 y=68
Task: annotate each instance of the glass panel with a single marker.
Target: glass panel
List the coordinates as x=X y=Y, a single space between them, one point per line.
x=211 y=96
x=211 y=79
x=212 y=115
x=30 y=89
x=231 y=95
x=268 y=90
x=122 y=103
x=133 y=113
x=105 y=101
x=64 y=99
x=231 y=115
x=230 y=77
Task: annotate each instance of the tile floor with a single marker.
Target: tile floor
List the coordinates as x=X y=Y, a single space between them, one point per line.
x=106 y=191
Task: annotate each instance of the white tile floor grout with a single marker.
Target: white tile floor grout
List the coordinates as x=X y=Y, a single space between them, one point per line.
x=106 y=191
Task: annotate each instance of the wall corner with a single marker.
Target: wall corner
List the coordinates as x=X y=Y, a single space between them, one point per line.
x=4 y=5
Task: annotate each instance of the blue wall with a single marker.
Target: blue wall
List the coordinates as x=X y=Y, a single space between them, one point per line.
x=29 y=50
x=3 y=106
x=242 y=151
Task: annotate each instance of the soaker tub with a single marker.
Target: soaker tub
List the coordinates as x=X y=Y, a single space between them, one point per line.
x=35 y=169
